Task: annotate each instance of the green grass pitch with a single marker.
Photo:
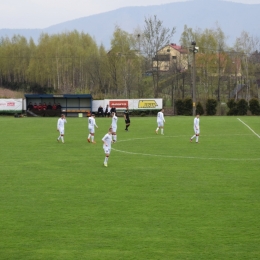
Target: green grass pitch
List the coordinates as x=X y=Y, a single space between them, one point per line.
x=160 y=198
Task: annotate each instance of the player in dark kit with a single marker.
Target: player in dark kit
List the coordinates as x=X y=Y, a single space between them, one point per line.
x=127 y=119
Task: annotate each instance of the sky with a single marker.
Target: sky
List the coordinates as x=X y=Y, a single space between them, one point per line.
x=32 y=14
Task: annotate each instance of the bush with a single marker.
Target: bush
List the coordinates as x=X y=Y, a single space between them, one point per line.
x=199 y=109
x=223 y=109
x=242 y=107
x=211 y=107
x=179 y=106
x=138 y=112
x=135 y=112
x=254 y=106
x=154 y=112
x=187 y=107
x=232 y=105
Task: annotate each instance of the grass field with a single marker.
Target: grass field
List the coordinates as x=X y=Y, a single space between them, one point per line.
x=161 y=197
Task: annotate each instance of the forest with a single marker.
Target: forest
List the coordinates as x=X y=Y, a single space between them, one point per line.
x=72 y=62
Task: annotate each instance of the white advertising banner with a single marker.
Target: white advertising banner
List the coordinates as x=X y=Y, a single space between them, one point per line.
x=12 y=105
x=132 y=104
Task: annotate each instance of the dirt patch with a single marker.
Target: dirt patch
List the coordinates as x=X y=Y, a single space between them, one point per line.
x=7 y=93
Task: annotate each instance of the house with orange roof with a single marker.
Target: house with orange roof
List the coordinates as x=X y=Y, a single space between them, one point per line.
x=171 y=57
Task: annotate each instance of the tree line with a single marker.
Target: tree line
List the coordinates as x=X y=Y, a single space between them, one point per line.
x=73 y=62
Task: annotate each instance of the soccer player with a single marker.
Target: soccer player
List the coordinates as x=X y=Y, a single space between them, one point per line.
x=196 y=128
x=91 y=128
x=127 y=119
x=160 y=121
x=107 y=141
x=114 y=126
x=61 y=128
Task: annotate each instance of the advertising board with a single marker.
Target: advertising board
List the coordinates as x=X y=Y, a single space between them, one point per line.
x=132 y=104
x=11 y=105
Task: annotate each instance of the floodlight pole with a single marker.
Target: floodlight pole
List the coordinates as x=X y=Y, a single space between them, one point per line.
x=194 y=80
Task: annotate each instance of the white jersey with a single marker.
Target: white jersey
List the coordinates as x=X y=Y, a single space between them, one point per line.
x=61 y=122
x=114 y=121
x=91 y=122
x=107 y=139
x=160 y=117
x=196 y=123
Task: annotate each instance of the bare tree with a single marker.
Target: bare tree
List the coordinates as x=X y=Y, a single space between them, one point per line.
x=155 y=37
x=245 y=42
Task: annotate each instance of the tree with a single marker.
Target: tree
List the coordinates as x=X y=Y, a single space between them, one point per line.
x=98 y=71
x=220 y=36
x=210 y=61
x=187 y=36
x=154 y=37
x=245 y=44
x=124 y=62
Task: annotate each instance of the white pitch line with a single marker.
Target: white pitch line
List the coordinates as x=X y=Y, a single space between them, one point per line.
x=249 y=127
x=177 y=136
x=187 y=157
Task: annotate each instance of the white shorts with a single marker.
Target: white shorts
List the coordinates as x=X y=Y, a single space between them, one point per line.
x=196 y=131
x=62 y=131
x=160 y=124
x=107 y=150
x=92 y=130
x=114 y=129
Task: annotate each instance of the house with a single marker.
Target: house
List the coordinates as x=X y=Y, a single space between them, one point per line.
x=171 y=57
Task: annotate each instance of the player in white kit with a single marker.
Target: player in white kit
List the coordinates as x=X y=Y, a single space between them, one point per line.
x=160 y=121
x=61 y=127
x=114 y=127
x=91 y=128
x=107 y=141
x=196 y=127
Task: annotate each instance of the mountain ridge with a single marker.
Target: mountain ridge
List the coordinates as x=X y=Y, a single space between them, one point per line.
x=233 y=18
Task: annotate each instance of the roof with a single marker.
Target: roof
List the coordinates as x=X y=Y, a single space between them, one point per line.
x=178 y=48
x=58 y=96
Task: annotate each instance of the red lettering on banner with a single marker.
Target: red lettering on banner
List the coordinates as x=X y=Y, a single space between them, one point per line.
x=118 y=103
x=10 y=104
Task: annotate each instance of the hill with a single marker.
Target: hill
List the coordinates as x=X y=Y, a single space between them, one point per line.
x=232 y=17
x=7 y=93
